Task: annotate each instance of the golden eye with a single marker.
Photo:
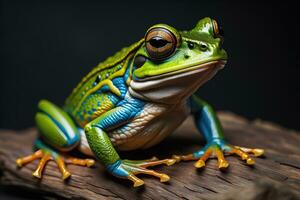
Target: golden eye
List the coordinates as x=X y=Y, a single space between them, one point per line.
x=218 y=31
x=215 y=27
x=160 y=43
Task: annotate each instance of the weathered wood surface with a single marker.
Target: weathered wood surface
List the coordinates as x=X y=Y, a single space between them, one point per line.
x=277 y=176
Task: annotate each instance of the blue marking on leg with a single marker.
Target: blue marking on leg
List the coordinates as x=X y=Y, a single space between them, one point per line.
x=126 y=109
x=121 y=85
x=116 y=170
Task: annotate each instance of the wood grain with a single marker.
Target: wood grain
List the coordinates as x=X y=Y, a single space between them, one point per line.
x=276 y=176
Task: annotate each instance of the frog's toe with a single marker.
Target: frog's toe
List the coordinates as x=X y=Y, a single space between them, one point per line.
x=153 y=162
x=130 y=168
x=61 y=163
x=150 y=163
x=244 y=153
x=39 y=170
x=80 y=162
x=27 y=159
x=213 y=150
x=136 y=181
x=46 y=155
x=222 y=162
x=161 y=176
x=187 y=157
x=139 y=182
x=218 y=148
x=255 y=152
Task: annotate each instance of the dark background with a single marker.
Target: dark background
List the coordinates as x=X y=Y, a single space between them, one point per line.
x=47 y=47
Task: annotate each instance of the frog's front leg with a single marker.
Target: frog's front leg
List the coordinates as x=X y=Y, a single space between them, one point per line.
x=100 y=144
x=208 y=123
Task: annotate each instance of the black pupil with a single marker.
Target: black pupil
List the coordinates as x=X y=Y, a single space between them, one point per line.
x=158 y=42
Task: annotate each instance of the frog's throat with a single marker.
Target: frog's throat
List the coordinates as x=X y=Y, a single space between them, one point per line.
x=174 y=87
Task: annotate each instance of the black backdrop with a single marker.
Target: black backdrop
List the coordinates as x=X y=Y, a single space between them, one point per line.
x=47 y=47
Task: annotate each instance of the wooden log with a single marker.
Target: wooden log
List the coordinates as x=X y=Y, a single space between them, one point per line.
x=277 y=176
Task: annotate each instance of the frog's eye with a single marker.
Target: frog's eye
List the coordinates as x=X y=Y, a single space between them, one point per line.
x=218 y=31
x=160 y=43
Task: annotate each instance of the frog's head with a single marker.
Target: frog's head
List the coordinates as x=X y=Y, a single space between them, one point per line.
x=170 y=65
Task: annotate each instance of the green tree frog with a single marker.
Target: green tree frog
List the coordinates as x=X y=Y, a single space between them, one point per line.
x=134 y=100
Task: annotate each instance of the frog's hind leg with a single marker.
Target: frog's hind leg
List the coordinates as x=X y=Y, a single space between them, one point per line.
x=59 y=134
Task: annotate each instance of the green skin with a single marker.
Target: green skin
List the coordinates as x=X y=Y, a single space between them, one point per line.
x=108 y=101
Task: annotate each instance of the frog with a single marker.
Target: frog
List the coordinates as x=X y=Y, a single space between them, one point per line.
x=133 y=100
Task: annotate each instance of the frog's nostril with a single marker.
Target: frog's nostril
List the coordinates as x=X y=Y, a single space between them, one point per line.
x=186 y=56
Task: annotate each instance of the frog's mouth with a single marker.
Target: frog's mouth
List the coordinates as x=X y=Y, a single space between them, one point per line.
x=174 y=86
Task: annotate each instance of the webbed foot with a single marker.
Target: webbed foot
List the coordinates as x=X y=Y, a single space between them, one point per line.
x=130 y=168
x=45 y=154
x=217 y=148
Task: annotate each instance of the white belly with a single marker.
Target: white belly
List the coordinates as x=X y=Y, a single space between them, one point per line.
x=155 y=123
x=150 y=127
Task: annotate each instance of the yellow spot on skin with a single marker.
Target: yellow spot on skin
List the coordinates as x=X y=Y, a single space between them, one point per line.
x=107 y=82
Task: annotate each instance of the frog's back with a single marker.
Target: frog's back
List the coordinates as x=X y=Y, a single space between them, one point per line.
x=99 y=90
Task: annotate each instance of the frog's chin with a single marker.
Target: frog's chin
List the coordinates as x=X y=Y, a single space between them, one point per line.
x=177 y=86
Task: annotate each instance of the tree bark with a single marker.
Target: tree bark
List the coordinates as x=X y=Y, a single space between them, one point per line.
x=276 y=176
